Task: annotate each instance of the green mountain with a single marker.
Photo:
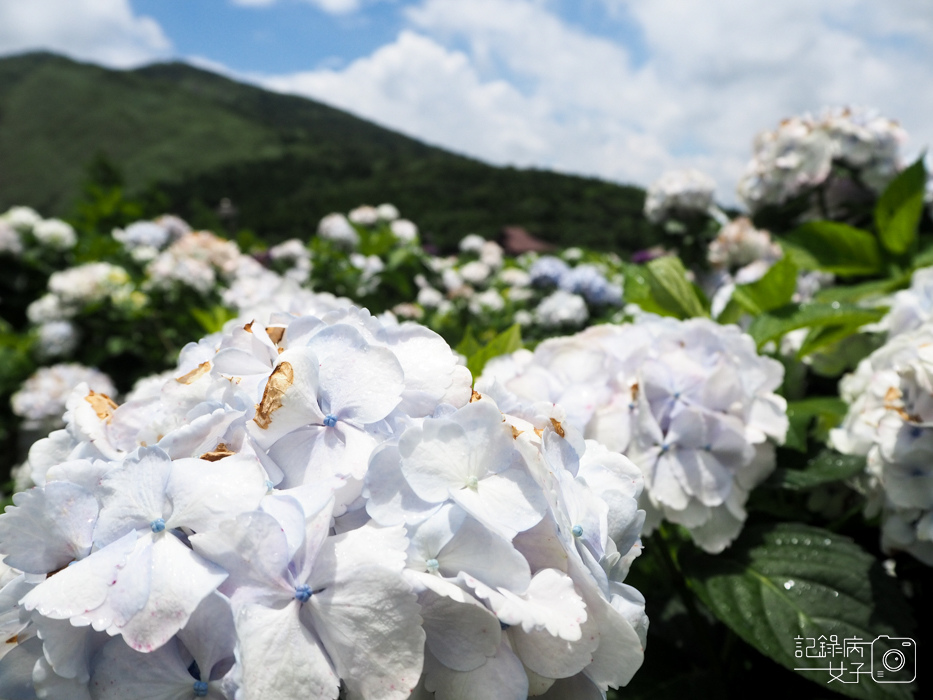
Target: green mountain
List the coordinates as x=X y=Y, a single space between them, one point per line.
x=187 y=138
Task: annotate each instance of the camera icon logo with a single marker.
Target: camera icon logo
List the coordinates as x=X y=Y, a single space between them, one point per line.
x=893 y=659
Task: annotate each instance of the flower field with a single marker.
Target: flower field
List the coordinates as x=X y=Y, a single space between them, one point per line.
x=348 y=467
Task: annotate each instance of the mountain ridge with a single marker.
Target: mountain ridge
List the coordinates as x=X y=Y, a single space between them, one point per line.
x=197 y=137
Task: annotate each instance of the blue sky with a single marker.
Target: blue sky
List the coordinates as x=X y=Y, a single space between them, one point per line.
x=294 y=35
x=620 y=89
x=283 y=37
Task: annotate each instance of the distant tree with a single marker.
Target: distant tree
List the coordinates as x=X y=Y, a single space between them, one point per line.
x=104 y=205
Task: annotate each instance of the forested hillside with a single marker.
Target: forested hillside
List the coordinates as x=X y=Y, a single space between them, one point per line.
x=185 y=138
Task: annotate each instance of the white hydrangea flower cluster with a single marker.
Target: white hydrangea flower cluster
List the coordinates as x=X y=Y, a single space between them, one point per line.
x=483 y=259
x=404 y=230
x=317 y=503
x=809 y=282
x=370 y=216
x=479 y=285
x=19 y=226
x=739 y=243
x=295 y=256
x=89 y=283
x=22 y=218
x=865 y=140
x=362 y=245
x=55 y=233
x=338 y=229
x=561 y=308
x=481 y=280
x=73 y=289
x=259 y=293
x=690 y=402
x=10 y=241
x=679 y=192
x=144 y=239
x=371 y=267
x=743 y=254
x=912 y=307
x=195 y=260
x=56 y=339
x=890 y=397
x=473 y=277
x=799 y=154
x=40 y=401
x=471 y=243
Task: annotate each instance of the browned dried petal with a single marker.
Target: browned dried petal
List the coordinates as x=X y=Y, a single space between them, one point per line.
x=892 y=396
x=281 y=378
x=194 y=374
x=102 y=404
x=275 y=333
x=218 y=453
x=558 y=428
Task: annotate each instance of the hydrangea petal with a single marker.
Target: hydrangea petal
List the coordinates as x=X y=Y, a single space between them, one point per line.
x=252 y=549
x=461 y=635
x=501 y=677
x=553 y=657
x=67 y=648
x=280 y=658
x=120 y=673
x=180 y=581
x=204 y=493
x=366 y=614
x=133 y=495
x=48 y=527
x=51 y=686
x=358 y=381
x=577 y=687
x=489 y=557
x=16 y=670
x=83 y=586
x=210 y=634
x=550 y=603
x=507 y=503
x=391 y=500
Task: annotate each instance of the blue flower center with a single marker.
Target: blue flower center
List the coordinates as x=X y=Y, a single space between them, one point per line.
x=330 y=420
x=577 y=531
x=200 y=689
x=157 y=525
x=303 y=593
x=432 y=565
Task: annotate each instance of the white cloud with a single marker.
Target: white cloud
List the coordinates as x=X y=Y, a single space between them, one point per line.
x=334 y=7
x=512 y=82
x=409 y=85
x=103 y=31
x=529 y=88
